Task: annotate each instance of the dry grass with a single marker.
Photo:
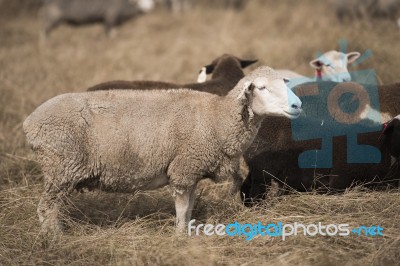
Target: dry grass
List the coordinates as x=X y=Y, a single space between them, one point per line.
x=138 y=229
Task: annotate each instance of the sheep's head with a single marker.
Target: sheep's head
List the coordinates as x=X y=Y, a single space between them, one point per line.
x=268 y=94
x=223 y=64
x=391 y=136
x=332 y=66
x=144 y=5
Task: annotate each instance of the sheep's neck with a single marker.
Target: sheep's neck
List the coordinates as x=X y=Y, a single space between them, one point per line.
x=318 y=74
x=236 y=129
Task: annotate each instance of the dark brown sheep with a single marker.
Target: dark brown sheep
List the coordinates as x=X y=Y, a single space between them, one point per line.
x=226 y=72
x=275 y=157
x=391 y=136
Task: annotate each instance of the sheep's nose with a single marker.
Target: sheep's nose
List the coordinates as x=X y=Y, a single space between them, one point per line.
x=296 y=103
x=346 y=77
x=295 y=106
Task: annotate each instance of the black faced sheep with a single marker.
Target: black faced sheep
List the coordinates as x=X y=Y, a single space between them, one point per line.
x=226 y=71
x=277 y=157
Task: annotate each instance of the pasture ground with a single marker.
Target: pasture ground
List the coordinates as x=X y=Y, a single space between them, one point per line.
x=118 y=229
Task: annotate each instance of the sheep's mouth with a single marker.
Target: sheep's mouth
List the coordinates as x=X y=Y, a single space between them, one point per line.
x=293 y=114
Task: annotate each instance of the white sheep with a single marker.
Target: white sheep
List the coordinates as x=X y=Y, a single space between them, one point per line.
x=129 y=140
x=331 y=66
x=367 y=9
x=177 y=6
x=82 y=12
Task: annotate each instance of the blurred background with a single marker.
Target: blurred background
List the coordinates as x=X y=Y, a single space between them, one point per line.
x=171 y=41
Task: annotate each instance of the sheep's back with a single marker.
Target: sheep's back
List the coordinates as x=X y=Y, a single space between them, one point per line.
x=125 y=129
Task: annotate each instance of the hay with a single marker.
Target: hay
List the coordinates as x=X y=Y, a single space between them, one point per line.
x=118 y=229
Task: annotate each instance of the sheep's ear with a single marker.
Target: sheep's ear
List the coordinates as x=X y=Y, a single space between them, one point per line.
x=247 y=89
x=209 y=69
x=387 y=128
x=316 y=63
x=202 y=77
x=246 y=63
x=352 y=56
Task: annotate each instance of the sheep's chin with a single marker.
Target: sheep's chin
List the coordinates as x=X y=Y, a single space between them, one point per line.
x=291 y=115
x=283 y=113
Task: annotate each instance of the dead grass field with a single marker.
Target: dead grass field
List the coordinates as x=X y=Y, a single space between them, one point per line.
x=117 y=229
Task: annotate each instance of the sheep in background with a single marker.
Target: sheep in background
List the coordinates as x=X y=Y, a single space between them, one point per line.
x=235 y=4
x=126 y=140
x=390 y=138
x=352 y=9
x=358 y=9
x=386 y=8
x=177 y=6
x=391 y=135
x=226 y=72
x=331 y=66
x=276 y=158
x=80 y=12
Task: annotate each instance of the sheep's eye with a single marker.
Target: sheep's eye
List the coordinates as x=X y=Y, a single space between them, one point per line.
x=262 y=88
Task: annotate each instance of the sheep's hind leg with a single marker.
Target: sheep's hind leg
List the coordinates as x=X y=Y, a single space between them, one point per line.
x=184 y=201
x=49 y=210
x=236 y=184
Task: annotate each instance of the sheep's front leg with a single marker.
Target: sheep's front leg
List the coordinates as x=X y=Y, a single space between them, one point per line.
x=184 y=201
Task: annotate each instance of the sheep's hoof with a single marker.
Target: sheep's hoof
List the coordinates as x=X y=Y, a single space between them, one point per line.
x=181 y=232
x=48 y=237
x=236 y=185
x=51 y=231
x=234 y=190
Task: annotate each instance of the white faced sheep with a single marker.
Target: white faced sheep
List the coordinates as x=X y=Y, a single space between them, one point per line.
x=80 y=12
x=358 y=9
x=352 y=9
x=331 y=66
x=277 y=157
x=127 y=140
x=235 y=4
x=226 y=72
x=177 y=6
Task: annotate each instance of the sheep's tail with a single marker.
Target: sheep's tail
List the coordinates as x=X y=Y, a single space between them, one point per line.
x=31 y=130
